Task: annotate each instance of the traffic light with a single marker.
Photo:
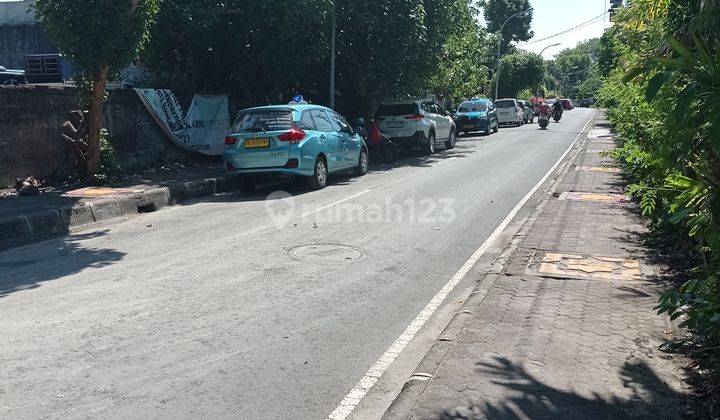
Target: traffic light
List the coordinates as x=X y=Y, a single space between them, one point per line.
x=614 y=5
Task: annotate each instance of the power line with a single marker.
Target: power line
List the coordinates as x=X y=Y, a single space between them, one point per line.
x=574 y=28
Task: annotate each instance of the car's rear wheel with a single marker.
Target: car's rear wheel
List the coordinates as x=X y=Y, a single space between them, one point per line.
x=319 y=178
x=450 y=143
x=362 y=166
x=430 y=147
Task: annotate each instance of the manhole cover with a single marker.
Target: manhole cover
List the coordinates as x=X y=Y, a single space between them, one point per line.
x=333 y=253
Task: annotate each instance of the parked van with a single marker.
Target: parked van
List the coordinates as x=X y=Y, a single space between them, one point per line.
x=509 y=112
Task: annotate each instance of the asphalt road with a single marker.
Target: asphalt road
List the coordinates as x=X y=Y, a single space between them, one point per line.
x=210 y=310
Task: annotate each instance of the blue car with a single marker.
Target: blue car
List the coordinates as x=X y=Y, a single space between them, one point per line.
x=477 y=115
x=307 y=140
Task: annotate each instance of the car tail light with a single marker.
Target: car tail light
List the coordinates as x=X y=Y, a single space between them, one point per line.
x=230 y=141
x=416 y=117
x=295 y=135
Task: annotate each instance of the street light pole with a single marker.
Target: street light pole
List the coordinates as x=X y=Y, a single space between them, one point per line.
x=497 y=79
x=332 y=59
x=548 y=47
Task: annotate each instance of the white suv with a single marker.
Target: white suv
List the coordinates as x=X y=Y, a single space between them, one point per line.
x=417 y=123
x=509 y=112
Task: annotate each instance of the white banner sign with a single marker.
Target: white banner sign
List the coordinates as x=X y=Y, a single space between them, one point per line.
x=202 y=129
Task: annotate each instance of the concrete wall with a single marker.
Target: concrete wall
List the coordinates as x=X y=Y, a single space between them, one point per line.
x=30 y=132
x=20 y=35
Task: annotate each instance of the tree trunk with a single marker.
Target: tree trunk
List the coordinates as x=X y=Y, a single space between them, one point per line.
x=95 y=124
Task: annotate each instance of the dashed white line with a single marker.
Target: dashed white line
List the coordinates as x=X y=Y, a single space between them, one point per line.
x=325 y=207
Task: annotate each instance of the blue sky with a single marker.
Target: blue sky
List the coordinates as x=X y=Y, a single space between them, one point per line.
x=553 y=16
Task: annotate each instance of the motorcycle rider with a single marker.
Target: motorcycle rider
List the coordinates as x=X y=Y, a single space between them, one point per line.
x=544 y=109
x=558 y=108
x=544 y=112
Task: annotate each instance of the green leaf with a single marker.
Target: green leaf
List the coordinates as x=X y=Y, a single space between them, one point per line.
x=655 y=84
x=632 y=74
x=679 y=216
x=679 y=182
x=714 y=133
x=685 y=97
x=679 y=48
x=673 y=63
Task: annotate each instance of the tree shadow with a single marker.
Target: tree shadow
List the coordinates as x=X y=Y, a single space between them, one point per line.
x=59 y=257
x=416 y=158
x=649 y=397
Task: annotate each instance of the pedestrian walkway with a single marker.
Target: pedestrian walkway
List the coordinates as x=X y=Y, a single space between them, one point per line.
x=567 y=328
x=24 y=220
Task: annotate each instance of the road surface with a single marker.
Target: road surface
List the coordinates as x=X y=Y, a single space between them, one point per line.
x=235 y=306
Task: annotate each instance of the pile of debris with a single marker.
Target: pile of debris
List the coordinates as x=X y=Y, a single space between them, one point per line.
x=27 y=187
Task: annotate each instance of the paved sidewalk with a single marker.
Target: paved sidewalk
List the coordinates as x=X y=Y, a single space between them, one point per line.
x=567 y=328
x=25 y=220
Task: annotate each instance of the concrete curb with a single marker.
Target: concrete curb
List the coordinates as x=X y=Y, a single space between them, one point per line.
x=430 y=364
x=46 y=223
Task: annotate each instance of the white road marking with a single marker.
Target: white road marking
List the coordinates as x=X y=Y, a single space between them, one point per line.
x=361 y=389
x=325 y=207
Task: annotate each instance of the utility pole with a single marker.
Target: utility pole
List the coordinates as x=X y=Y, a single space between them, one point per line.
x=500 y=38
x=332 y=58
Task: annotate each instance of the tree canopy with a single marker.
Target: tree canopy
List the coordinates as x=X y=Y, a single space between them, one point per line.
x=575 y=70
x=106 y=32
x=498 y=11
x=520 y=70
x=265 y=51
x=100 y=38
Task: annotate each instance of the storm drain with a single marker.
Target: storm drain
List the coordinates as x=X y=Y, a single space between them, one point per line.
x=328 y=253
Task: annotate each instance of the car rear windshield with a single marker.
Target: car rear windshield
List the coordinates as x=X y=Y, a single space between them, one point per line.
x=505 y=104
x=473 y=107
x=396 y=110
x=261 y=121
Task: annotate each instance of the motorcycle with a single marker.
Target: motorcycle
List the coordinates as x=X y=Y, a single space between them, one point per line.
x=557 y=115
x=544 y=121
x=384 y=148
x=388 y=150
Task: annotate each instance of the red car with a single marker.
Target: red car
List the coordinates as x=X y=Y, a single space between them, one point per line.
x=567 y=104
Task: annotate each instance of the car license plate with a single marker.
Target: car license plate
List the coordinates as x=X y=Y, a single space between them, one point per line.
x=395 y=124
x=257 y=143
x=468 y=126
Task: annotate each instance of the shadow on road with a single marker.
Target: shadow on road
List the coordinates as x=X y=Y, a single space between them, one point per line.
x=19 y=267
x=416 y=158
x=651 y=397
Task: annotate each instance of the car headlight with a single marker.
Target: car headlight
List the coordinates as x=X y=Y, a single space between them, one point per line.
x=484 y=118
